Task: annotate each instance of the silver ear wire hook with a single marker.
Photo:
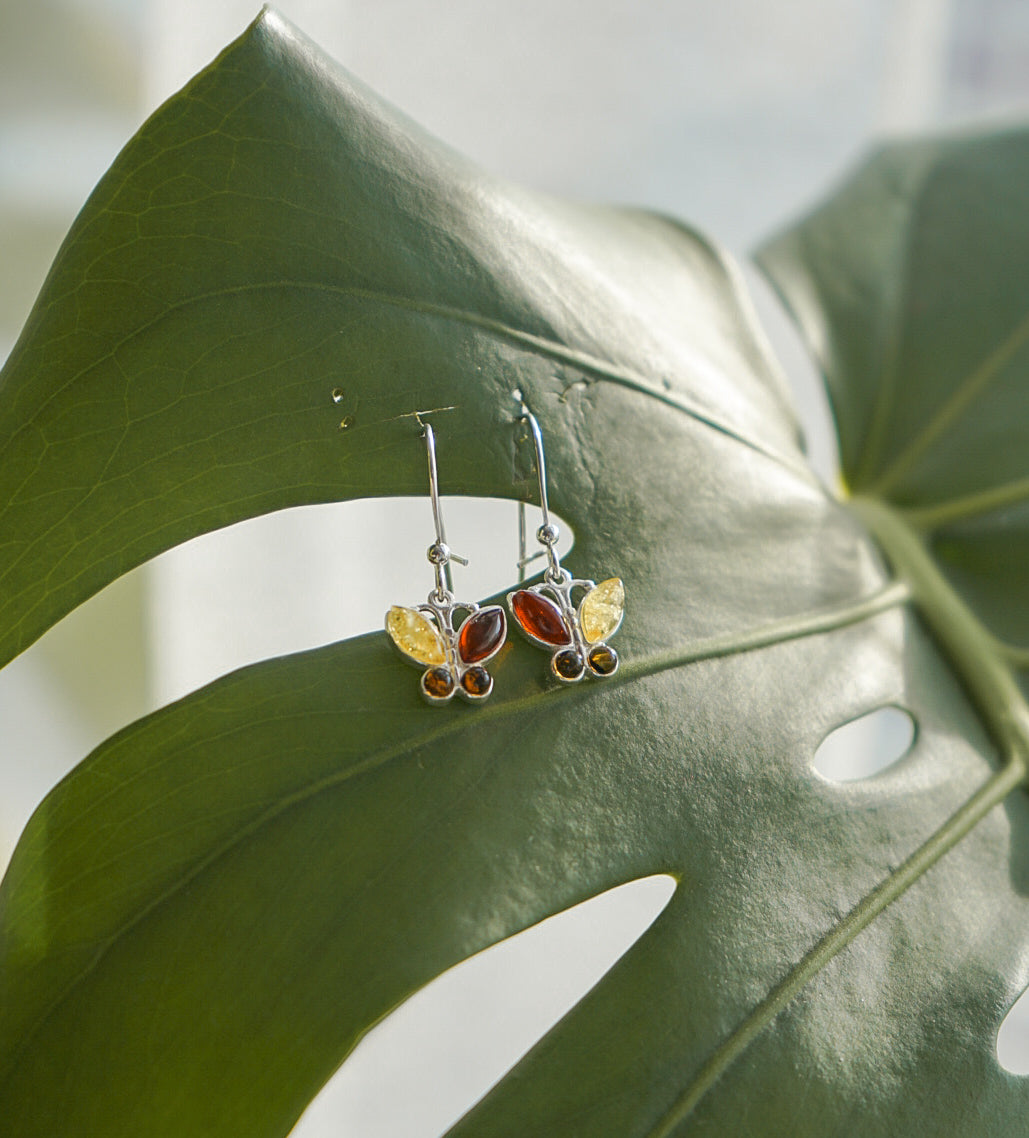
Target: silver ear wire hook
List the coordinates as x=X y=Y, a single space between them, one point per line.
x=548 y=533
x=523 y=560
x=439 y=553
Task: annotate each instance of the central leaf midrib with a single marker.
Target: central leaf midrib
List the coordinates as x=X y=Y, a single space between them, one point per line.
x=776 y=632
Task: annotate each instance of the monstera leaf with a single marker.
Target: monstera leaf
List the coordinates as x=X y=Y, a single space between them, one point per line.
x=912 y=286
x=203 y=919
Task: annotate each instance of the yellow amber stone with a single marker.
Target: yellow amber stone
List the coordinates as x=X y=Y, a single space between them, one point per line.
x=602 y=610
x=415 y=636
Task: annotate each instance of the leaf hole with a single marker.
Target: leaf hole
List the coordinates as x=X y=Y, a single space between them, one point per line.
x=424 y=1066
x=1013 y=1037
x=865 y=746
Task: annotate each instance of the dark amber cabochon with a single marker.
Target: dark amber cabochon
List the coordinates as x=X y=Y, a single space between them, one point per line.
x=539 y=617
x=482 y=634
x=477 y=683
x=438 y=683
x=603 y=661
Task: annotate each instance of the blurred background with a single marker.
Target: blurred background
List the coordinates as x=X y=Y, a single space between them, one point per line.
x=734 y=116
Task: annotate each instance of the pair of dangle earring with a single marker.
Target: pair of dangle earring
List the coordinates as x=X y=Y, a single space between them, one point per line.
x=454 y=659
x=546 y=612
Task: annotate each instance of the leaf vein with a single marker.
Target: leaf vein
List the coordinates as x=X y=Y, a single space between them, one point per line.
x=969 y=389
x=776 y=632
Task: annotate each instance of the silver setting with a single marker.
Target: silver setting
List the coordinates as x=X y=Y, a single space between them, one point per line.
x=440 y=612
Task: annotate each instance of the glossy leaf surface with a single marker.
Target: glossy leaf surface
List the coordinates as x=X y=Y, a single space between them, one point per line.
x=202 y=920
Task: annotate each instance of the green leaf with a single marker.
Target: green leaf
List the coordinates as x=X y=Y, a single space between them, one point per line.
x=275 y=232
x=204 y=918
x=911 y=288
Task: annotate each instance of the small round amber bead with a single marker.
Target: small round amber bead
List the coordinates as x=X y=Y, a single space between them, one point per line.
x=438 y=683
x=477 y=682
x=568 y=665
x=603 y=661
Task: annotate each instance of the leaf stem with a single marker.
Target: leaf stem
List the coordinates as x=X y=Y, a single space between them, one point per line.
x=970 y=648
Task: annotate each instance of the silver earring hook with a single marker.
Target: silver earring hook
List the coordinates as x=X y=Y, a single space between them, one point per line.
x=439 y=553
x=548 y=533
x=523 y=560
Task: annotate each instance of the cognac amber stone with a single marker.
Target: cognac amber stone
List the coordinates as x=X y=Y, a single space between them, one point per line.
x=438 y=683
x=539 y=617
x=482 y=634
x=477 y=682
x=603 y=661
x=568 y=664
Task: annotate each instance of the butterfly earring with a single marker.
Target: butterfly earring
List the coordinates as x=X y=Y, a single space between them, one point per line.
x=545 y=612
x=425 y=636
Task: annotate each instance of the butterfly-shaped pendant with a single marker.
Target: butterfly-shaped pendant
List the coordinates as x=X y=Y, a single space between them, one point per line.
x=453 y=660
x=547 y=616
